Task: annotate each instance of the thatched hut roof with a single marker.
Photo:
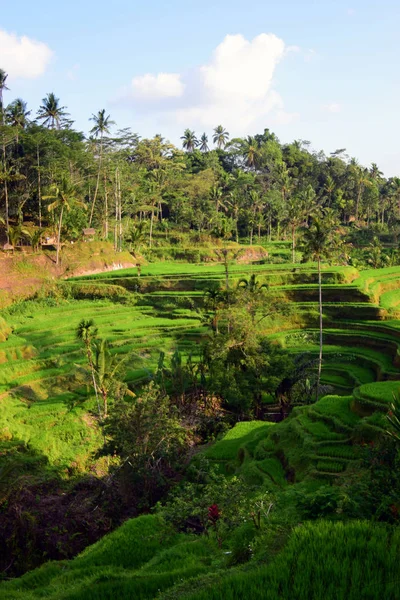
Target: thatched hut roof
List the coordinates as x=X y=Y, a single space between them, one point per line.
x=89 y=231
x=7 y=247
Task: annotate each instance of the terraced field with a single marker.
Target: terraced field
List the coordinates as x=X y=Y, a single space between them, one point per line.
x=156 y=312
x=45 y=415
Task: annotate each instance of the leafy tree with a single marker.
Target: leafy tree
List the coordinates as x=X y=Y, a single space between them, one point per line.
x=65 y=197
x=3 y=88
x=146 y=434
x=241 y=363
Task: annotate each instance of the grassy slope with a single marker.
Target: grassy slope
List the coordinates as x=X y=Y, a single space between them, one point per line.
x=316 y=443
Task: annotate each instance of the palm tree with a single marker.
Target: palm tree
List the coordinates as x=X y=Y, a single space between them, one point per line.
x=3 y=87
x=86 y=332
x=298 y=208
x=252 y=285
x=250 y=150
x=318 y=243
x=16 y=233
x=214 y=300
x=107 y=366
x=190 y=140
x=220 y=137
x=283 y=179
x=51 y=113
x=65 y=198
x=136 y=236
x=329 y=188
x=375 y=172
x=227 y=256
x=101 y=126
x=203 y=144
x=17 y=115
x=8 y=175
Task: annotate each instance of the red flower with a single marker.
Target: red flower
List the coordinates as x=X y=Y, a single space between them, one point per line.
x=213 y=514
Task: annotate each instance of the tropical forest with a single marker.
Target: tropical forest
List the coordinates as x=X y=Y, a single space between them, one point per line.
x=199 y=364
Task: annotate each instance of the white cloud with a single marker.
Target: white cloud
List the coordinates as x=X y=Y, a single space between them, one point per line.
x=234 y=88
x=163 y=85
x=332 y=107
x=22 y=56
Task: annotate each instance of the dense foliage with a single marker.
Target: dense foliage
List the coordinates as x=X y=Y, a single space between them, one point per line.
x=55 y=182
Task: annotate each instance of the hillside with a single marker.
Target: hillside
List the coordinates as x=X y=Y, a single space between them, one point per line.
x=293 y=472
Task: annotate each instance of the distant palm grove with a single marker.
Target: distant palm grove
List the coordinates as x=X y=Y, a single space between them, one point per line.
x=55 y=181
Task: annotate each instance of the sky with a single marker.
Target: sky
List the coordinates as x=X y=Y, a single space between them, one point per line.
x=323 y=70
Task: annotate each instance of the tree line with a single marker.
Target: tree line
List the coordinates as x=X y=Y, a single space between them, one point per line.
x=55 y=179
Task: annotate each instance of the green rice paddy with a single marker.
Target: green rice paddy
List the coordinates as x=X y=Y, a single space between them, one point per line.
x=45 y=421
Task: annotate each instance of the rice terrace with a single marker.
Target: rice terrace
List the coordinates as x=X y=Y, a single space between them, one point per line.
x=199 y=340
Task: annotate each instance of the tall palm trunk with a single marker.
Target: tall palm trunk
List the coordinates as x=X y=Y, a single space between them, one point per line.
x=89 y=355
x=97 y=180
x=105 y=208
x=151 y=227
x=359 y=193
x=39 y=186
x=293 y=243
x=320 y=328
x=59 y=235
x=7 y=209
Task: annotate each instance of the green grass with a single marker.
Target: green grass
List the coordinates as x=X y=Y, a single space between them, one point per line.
x=332 y=560
x=239 y=436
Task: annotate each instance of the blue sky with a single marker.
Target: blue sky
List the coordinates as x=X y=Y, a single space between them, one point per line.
x=323 y=70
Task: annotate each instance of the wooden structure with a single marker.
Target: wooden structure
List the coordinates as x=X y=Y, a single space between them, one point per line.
x=8 y=247
x=88 y=234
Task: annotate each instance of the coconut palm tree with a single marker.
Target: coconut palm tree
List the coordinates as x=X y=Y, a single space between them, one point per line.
x=252 y=285
x=220 y=137
x=8 y=174
x=51 y=113
x=190 y=140
x=250 y=150
x=108 y=367
x=375 y=172
x=65 y=197
x=318 y=243
x=3 y=87
x=329 y=188
x=16 y=233
x=203 y=144
x=101 y=126
x=298 y=208
x=136 y=236
x=86 y=332
x=17 y=115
